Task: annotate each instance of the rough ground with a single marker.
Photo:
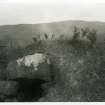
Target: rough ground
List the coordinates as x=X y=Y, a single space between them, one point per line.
x=79 y=76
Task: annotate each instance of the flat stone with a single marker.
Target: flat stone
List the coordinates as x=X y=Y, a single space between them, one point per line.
x=36 y=66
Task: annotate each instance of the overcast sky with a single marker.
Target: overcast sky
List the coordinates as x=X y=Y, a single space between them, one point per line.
x=39 y=11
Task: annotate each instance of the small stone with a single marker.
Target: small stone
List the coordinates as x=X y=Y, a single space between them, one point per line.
x=8 y=87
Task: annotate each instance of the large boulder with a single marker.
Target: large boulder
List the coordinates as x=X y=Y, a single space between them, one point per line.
x=8 y=88
x=33 y=66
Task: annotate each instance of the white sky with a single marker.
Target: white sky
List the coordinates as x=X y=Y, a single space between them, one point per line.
x=39 y=11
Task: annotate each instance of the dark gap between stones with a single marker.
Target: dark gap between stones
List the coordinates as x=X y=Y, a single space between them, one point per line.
x=30 y=89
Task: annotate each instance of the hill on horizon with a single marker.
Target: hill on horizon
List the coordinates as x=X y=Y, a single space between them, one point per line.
x=22 y=34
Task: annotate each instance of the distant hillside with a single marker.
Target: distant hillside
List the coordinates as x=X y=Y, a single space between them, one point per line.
x=22 y=34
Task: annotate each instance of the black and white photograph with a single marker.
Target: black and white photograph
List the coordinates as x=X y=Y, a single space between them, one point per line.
x=52 y=51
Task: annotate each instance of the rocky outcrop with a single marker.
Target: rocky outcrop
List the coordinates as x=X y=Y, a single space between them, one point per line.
x=8 y=88
x=34 y=75
x=30 y=66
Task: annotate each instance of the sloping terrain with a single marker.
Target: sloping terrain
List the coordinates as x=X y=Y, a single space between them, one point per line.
x=22 y=34
x=79 y=71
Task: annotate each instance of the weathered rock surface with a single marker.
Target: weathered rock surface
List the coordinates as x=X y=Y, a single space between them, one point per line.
x=30 y=66
x=8 y=88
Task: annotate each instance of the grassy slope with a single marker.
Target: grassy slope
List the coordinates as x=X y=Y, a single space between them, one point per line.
x=81 y=74
x=23 y=33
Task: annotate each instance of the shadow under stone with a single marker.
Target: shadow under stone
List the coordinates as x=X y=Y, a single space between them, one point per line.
x=29 y=89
